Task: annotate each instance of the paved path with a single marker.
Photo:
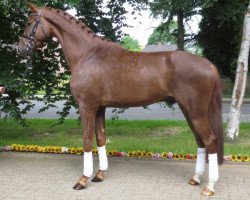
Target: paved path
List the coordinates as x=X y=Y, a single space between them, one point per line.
x=26 y=176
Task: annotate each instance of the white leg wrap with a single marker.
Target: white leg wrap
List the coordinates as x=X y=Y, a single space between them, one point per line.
x=200 y=164
x=213 y=171
x=87 y=164
x=103 y=161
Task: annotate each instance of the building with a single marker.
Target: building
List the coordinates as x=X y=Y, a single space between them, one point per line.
x=159 y=47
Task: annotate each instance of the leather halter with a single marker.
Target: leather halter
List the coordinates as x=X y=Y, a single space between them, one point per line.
x=30 y=44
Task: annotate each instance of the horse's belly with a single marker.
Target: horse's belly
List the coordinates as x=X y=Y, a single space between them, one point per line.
x=139 y=86
x=133 y=97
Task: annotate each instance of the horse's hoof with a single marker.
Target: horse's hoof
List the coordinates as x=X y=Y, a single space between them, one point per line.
x=98 y=177
x=81 y=184
x=207 y=192
x=193 y=182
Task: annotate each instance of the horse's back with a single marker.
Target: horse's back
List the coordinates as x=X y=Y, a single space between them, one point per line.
x=119 y=78
x=137 y=79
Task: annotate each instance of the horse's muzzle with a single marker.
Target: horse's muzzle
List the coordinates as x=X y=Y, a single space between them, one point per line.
x=27 y=49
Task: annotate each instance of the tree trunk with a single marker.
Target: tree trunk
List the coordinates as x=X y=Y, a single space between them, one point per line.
x=180 y=30
x=233 y=123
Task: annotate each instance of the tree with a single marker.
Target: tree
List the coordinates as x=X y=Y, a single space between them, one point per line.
x=20 y=80
x=220 y=33
x=232 y=130
x=130 y=43
x=45 y=74
x=182 y=9
x=107 y=19
x=164 y=34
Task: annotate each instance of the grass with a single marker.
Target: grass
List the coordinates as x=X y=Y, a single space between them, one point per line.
x=229 y=95
x=145 y=135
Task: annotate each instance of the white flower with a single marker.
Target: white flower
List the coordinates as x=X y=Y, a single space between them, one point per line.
x=108 y=141
x=64 y=149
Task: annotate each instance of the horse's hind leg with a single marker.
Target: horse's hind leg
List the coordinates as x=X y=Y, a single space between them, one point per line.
x=205 y=133
x=199 y=122
x=101 y=140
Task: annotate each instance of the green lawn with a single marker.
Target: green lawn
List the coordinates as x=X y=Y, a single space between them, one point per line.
x=144 y=135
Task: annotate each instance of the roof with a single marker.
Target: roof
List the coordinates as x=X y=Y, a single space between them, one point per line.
x=159 y=47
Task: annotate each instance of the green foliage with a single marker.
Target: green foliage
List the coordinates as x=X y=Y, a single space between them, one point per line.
x=106 y=20
x=182 y=9
x=23 y=83
x=169 y=8
x=221 y=32
x=12 y=70
x=164 y=33
x=130 y=43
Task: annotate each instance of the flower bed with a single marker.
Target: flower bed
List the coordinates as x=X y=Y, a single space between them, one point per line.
x=138 y=154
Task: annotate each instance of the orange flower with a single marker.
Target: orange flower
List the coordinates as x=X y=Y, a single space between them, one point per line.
x=149 y=154
x=144 y=154
x=114 y=152
x=164 y=155
x=95 y=152
x=130 y=154
x=245 y=158
x=181 y=156
x=139 y=154
x=14 y=147
x=58 y=149
x=109 y=152
x=22 y=148
x=234 y=158
x=79 y=151
x=176 y=156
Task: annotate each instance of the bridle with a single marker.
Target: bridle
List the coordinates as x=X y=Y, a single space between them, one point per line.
x=28 y=46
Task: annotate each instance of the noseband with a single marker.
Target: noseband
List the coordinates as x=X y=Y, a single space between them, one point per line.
x=28 y=46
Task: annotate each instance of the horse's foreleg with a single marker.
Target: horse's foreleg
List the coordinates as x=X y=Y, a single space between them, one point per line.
x=101 y=140
x=88 y=122
x=200 y=166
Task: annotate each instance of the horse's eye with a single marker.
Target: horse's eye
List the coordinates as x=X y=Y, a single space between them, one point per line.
x=29 y=23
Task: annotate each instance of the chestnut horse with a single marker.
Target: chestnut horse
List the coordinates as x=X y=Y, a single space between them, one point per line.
x=104 y=74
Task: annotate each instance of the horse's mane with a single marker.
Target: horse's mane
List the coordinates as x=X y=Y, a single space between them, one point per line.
x=79 y=23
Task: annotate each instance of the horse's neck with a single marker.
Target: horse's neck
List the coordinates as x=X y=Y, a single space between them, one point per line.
x=76 y=42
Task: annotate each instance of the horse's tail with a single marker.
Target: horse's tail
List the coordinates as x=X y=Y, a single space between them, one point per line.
x=215 y=116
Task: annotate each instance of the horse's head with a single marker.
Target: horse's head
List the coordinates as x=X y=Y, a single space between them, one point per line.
x=36 y=32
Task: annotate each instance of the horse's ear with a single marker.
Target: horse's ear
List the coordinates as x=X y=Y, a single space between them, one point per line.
x=32 y=7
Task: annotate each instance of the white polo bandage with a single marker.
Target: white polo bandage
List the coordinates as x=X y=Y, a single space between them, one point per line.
x=200 y=164
x=201 y=161
x=87 y=164
x=103 y=161
x=213 y=168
